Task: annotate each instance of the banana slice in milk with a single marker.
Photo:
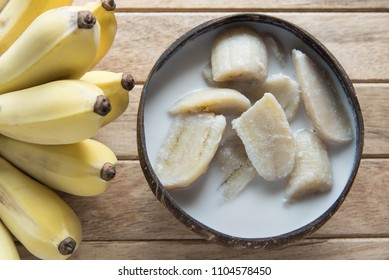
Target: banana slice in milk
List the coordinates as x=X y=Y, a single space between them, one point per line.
x=319 y=97
x=247 y=88
x=239 y=53
x=216 y=100
x=189 y=147
x=267 y=137
x=285 y=90
x=232 y=159
x=312 y=171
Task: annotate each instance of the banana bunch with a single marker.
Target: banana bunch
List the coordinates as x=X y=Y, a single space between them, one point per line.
x=8 y=248
x=52 y=104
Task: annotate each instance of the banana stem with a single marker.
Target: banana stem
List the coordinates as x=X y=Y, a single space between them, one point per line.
x=67 y=246
x=108 y=171
x=85 y=20
x=108 y=5
x=102 y=106
x=128 y=81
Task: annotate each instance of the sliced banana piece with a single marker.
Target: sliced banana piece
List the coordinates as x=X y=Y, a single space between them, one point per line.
x=216 y=100
x=232 y=159
x=275 y=48
x=239 y=53
x=312 y=172
x=321 y=104
x=267 y=137
x=247 y=88
x=189 y=147
x=285 y=90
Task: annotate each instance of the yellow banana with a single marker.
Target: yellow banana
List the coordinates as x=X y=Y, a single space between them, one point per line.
x=52 y=4
x=104 y=11
x=84 y=168
x=17 y=15
x=59 y=112
x=116 y=87
x=2 y=4
x=45 y=225
x=8 y=249
x=59 y=44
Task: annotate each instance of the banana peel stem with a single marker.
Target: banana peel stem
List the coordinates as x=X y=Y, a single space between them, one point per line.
x=102 y=106
x=67 y=246
x=85 y=20
x=108 y=171
x=108 y=5
x=128 y=81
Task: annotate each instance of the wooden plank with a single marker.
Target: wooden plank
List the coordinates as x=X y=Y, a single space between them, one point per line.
x=373 y=98
x=308 y=249
x=366 y=208
x=349 y=36
x=129 y=210
x=207 y=5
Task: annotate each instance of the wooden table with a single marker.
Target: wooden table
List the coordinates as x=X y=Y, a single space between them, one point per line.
x=127 y=222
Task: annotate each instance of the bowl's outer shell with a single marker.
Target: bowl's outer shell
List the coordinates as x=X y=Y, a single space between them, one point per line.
x=165 y=198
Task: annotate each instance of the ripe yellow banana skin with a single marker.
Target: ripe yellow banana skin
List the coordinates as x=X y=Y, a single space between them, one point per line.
x=104 y=11
x=17 y=15
x=59 y=44
x=8 y=249
x=59 y=112
x=2 y=4
x=84 y=168
x=45 y=225
x=115 y=86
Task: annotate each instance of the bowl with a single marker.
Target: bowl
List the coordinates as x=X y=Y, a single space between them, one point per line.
x=258 y=217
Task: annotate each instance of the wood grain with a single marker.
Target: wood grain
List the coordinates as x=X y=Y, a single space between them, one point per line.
x=263 y=5
x=142 y=37
x=373 y=99
x=308 y=249
x=129 y=210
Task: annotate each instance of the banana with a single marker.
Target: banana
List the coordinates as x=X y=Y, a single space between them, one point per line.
x=43 y=223
x=247 y=88
x=59 y=44
x=3 y=3
x=116 y=87
x=285 y=90
x=231 y=157
x=7 y=244
x=59 y=112
x=276 y=50
x=239 y=53
x=84 y=168
x=188 y=149
x=104 y=11
x=267 y=137
x=215 y=100
x=312 y=172
x=52 y=4
x=321 y=104
x=17 y=15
